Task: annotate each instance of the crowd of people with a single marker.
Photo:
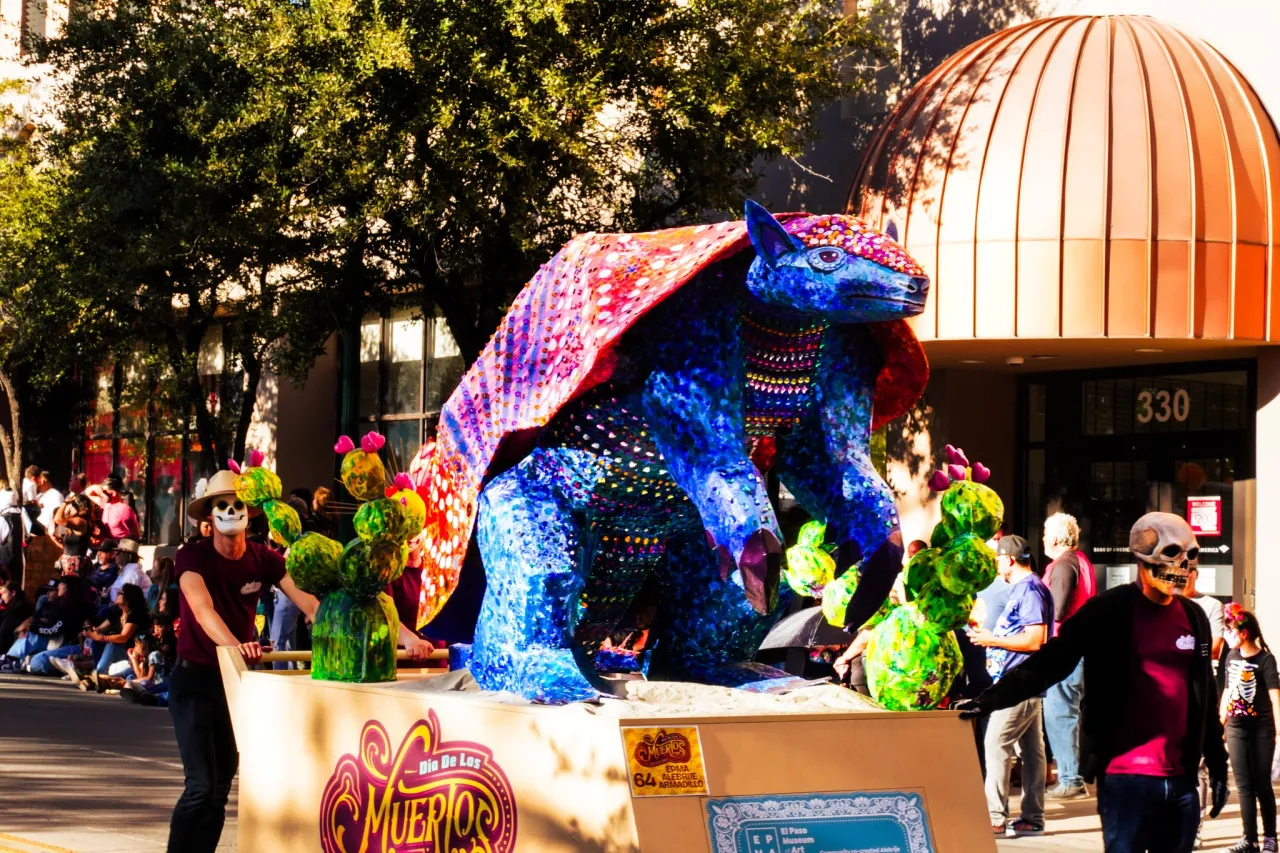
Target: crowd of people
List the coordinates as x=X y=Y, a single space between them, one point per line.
x=102 y=621
x=1148 y=690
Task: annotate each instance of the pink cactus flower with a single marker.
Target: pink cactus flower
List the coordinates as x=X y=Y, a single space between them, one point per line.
x=372 y=442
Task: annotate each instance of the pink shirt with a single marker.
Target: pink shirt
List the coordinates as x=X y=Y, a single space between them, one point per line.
x=120 y=520
x=1151 y=740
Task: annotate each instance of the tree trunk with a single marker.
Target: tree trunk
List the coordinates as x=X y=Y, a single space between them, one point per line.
x=252 y=376
x=11 y=436
x=206 y=426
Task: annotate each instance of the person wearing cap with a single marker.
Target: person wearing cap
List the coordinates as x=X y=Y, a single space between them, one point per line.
x=118 y=517
x=1025 y=624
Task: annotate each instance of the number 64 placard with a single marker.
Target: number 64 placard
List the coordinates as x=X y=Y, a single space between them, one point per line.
x=1162 y=405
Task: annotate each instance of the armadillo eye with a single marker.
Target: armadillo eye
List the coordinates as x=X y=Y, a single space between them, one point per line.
x=826 y=258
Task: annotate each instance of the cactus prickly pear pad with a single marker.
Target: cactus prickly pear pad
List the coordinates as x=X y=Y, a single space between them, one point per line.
x=354 y=636
x=913 y=655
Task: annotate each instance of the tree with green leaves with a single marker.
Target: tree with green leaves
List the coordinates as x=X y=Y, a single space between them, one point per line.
x=175 y=215
x=25 y=195
x=277 y=169
x=460 y=143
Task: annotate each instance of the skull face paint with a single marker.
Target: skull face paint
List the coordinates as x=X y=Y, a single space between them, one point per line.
x=1165 y=549
x=230 y=515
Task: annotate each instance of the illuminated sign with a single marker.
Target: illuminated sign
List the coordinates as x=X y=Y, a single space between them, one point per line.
x=427 y=796
x=1204 y=514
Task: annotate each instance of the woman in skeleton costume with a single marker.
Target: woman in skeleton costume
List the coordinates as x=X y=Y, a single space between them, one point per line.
x=1248 y=711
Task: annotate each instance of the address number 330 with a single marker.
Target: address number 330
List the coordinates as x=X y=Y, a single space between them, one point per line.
x=1162 y=405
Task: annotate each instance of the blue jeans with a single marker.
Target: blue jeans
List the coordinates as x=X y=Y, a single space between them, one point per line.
x=1148 y=814
x=284 y=619
x=42 y=663
x=28 y=645
x=1062 y=725
x=113 y=653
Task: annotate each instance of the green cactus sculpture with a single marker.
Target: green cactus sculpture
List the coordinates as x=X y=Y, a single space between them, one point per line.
x=354 y=636
x=913 y=655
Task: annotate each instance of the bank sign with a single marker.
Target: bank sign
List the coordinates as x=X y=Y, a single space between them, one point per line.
x=1204 y=514
x=428 y=795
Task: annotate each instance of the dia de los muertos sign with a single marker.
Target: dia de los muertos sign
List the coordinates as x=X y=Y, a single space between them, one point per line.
x=427 y=796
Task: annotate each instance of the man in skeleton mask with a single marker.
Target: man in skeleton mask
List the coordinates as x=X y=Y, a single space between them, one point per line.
x=1151 y=711
x=219 y=580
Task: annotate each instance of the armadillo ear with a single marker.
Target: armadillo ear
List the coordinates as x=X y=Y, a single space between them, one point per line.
x=892 y=230
x=771 y=240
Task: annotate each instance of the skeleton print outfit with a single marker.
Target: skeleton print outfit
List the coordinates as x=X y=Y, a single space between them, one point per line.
x=1251 y=739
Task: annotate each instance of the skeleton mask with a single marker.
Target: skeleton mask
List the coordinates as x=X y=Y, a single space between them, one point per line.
x=1166 y=549
x=230 y=515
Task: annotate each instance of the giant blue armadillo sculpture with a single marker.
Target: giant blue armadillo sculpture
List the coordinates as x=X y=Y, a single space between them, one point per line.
x=615 y=435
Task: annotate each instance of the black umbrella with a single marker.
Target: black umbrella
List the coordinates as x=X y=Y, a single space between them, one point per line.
x=805 y=629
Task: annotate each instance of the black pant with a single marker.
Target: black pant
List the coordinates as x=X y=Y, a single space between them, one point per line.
x=207 y=745
x=1251 y=748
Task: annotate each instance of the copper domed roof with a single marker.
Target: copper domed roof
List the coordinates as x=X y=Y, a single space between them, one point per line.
x=1084 y=177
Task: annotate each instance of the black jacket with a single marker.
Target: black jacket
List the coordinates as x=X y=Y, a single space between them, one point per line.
x=1101 y=632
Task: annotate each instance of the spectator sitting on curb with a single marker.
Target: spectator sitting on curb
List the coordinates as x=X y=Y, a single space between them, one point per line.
x=54 y=627
x=130 y=572
x=150 y=684
x=104 y=571
x=161 y=576
x=15 y=609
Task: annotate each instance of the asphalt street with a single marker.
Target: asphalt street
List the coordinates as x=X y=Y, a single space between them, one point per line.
x=86 y=773
x=82 y=773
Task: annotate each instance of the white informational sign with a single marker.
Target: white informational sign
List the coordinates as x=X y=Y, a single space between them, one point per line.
x=1207 y=581
x=1117 y=576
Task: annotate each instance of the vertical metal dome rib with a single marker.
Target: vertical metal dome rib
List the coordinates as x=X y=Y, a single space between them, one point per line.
x=1084 y=177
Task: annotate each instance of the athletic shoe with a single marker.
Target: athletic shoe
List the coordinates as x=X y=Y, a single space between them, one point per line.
x=1022 y=828
x=998 y=829
x=1067 y=792
x=1199 y=836
x=66 y=667
x=129 y=695
x=1269 y=845
x=1244 y=845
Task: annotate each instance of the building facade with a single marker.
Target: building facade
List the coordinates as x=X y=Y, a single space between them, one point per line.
x=1097 y=200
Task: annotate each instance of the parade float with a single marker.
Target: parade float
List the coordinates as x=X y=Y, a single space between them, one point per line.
x=606 y=458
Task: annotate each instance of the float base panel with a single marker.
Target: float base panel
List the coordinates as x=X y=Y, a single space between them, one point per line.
x=378 y=768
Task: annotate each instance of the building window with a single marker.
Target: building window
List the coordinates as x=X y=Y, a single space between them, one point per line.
x=1109 y=446
x=408 y=367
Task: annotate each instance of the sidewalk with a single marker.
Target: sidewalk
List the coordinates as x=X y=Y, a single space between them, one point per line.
x=1073 y=827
